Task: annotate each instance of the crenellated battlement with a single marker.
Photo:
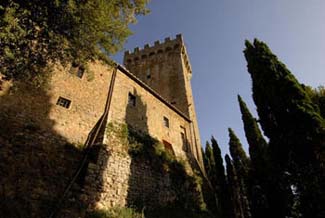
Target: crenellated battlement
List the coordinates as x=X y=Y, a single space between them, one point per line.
x=158 y=48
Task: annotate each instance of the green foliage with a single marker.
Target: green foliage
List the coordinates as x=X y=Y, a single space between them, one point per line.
x=213 y=163
x=241 y=161
x=236 y=207
x=210 y=162
x=242 y=165
x=115 y=213
x=318 y=97
x=290 y=117
x=258 y=172
x=218 y=181
x=284 y=107
x=176 y=212
x=36 y=33
x=255 y=139
x=219 y=168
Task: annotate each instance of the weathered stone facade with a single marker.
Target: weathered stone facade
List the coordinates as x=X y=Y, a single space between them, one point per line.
x=158 y=103
x=165 y=68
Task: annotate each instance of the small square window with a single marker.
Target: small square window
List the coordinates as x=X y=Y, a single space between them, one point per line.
x=63 y=102
x=80 y=72
x=132 y=100
x=166 y=122
x=77 y=70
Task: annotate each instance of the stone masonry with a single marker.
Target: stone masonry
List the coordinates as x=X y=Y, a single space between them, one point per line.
x=151 y=94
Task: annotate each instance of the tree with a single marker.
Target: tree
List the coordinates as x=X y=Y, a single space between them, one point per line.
x=255 y=139
x=241 y=164
x=219 y=180
x=258 y=172
x=240 y=159
x=295 y=128
x=236 y=209
x=257 y=150
x=318 y=97
x=36 y=33
x=211 y=165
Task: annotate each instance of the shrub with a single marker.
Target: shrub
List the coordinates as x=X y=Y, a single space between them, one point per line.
x=115 y=213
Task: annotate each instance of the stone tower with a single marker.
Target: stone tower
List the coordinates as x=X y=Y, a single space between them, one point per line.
x=165 y=68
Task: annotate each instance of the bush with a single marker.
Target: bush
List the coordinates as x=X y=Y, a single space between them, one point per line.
x=115 y=213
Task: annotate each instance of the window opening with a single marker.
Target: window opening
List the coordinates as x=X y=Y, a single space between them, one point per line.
x=77 y=70
x=63 y=102
x=148 y=74
x=80 y=72
x=169 y=148
x=132 y=100
x=166 y=122
x=184 y=139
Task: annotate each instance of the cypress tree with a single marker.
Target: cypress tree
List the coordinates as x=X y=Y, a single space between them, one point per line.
x=256 y=142
x=205 y=161
x=211 y=163
x=208 y=189
x=258 y=172
x=220 y=180
x=241 y=164
x=241 y=161
x=236 y=210
x=294 y=126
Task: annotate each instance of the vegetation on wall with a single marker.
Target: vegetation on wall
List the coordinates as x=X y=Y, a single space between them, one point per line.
x=115 y=213
x=187 y=186
x=36 y=33
x=284 y=176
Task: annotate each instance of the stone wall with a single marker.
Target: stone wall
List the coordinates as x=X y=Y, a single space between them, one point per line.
x=166 y=68
x=160 y=68
x=88 y=97
x=41 y=143
x=144 y=180
x=148 y=114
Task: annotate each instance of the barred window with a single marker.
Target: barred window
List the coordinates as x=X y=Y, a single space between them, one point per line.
x=63 y=102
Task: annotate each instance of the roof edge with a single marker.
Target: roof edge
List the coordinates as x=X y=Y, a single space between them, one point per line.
x=153 y=92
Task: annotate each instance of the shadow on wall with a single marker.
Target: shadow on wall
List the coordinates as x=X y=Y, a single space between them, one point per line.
x=36 y=163
x=136 y=118
x=156 y=179
x=136 y=113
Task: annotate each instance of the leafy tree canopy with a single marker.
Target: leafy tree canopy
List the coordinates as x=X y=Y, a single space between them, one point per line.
x=35 y=33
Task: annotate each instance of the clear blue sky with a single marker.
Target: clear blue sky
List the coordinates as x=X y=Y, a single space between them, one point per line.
x=214 y=32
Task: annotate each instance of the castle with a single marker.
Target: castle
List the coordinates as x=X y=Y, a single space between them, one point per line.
x=151 y=93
